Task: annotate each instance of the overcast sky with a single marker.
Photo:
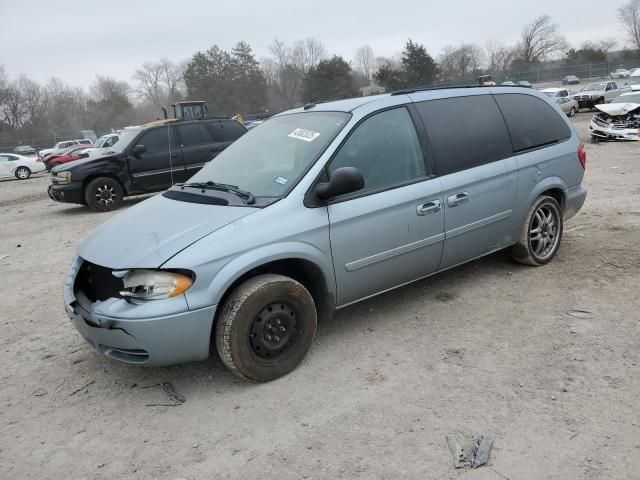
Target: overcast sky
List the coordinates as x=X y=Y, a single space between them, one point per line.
x=77 y=39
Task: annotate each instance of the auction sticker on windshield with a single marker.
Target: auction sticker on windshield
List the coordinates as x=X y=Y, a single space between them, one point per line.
x=306 y=135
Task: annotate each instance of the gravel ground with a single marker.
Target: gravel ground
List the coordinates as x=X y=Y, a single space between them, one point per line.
x=488 y=347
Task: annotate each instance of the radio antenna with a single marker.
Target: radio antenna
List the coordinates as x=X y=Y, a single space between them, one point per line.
x=170 y=156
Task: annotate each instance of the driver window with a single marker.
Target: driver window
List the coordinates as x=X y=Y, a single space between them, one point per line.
x=386 y=150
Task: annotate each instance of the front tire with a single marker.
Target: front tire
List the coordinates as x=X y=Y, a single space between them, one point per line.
x=266 y=327
x=572 y=112
x=22 y=173
x=541 y=233
x=103 y=194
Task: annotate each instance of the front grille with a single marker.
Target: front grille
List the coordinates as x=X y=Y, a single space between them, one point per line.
x=97 y=282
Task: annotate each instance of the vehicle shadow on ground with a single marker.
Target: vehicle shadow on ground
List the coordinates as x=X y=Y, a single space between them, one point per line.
x=351 y=322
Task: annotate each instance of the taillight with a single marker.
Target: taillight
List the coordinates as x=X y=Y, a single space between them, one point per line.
x=582 y=156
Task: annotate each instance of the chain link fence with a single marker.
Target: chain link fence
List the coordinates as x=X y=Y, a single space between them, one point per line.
x=544 y=75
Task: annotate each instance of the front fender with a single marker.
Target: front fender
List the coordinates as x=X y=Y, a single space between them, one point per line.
x=217 y=277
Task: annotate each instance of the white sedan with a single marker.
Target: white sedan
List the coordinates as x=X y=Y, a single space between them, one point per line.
x=12 y=165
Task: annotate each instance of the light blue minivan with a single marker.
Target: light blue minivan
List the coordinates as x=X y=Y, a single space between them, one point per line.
x=321 y=207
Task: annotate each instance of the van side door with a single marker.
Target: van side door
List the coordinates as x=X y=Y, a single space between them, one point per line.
x=390 y=232
x=475 y=164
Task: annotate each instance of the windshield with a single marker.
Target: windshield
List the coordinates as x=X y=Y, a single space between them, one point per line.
x=594 y=86
x=100 y=141
x=272 y=157
x=123 y=142
x=634 y=80
x=549 y=94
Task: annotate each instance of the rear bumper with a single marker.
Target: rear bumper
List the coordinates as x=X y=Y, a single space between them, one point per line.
x=575 y=198
x=69 y=193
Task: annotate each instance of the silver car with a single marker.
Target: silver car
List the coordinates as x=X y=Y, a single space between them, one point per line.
x=319 y=208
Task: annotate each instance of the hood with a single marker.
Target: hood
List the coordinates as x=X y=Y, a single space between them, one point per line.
x=618 y=108
x=81 y=161
x=589 y=92
x=149 y=233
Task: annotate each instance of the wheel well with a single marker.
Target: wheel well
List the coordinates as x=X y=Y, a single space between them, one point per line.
x=86 y=181
x=556 y=193
x=303 y=271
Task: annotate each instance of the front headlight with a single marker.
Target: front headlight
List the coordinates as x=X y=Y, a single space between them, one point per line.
x=63 y=177
x=154 y=284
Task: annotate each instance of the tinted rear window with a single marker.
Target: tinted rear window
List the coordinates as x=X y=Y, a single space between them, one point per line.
x=531 y=121
x=227 y=131
x=465 y=132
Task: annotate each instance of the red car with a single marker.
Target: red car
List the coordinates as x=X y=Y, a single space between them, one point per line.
x=67 y=156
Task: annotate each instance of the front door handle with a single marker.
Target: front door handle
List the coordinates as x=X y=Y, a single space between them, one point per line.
x=458 y=199
x=429 y=208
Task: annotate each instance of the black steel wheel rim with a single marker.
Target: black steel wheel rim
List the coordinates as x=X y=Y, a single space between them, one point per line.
x=274 y=331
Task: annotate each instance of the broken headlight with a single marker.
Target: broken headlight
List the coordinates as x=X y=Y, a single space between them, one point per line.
x=154 y=284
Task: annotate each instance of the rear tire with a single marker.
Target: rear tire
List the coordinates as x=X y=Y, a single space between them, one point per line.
x=103 y=194
x=541 y=233
x=266 y=327
x=572 y=112
x=22 y=173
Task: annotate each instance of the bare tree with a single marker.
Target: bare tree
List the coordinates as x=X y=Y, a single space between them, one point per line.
x=498 y=56
x=284 y=71
x=629 y=16
x=364 y=61
x=159 y=82
x=607 y=45
x=540 y=39
x=460 y=62
x=107 y=89
x=306 y=54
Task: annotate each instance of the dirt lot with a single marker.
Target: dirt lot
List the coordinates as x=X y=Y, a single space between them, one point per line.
x=488 y=347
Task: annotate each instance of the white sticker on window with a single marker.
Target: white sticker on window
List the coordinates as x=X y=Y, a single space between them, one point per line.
x=281 y=180
x=302 y=134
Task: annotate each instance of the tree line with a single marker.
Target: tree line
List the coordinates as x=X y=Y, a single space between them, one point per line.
x=235 y=81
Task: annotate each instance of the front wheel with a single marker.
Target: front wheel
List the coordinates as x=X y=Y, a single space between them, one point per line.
x=266 y=327
x=103 y=194
x=541 y=233
x=572 y=112
x=22 y=173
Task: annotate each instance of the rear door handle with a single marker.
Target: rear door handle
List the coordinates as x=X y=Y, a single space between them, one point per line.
x=429 y=208
x=458 y=199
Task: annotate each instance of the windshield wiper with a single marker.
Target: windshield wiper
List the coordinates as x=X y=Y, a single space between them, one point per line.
x=249 y=198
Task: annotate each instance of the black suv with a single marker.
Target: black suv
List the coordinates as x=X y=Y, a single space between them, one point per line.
x=147 y=159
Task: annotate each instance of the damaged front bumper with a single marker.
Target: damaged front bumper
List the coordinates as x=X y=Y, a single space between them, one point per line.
x=155 y=333
x=613 y=132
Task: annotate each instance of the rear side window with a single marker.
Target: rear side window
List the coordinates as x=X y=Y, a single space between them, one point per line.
x=531 y=121
x=194 y=134
x=227 y=131
x=465 y=132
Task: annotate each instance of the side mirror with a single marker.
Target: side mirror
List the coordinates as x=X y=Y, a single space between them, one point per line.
x=138 y=150
x=343 y=180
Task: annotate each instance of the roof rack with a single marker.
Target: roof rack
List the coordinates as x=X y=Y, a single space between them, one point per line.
x=423 y=89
